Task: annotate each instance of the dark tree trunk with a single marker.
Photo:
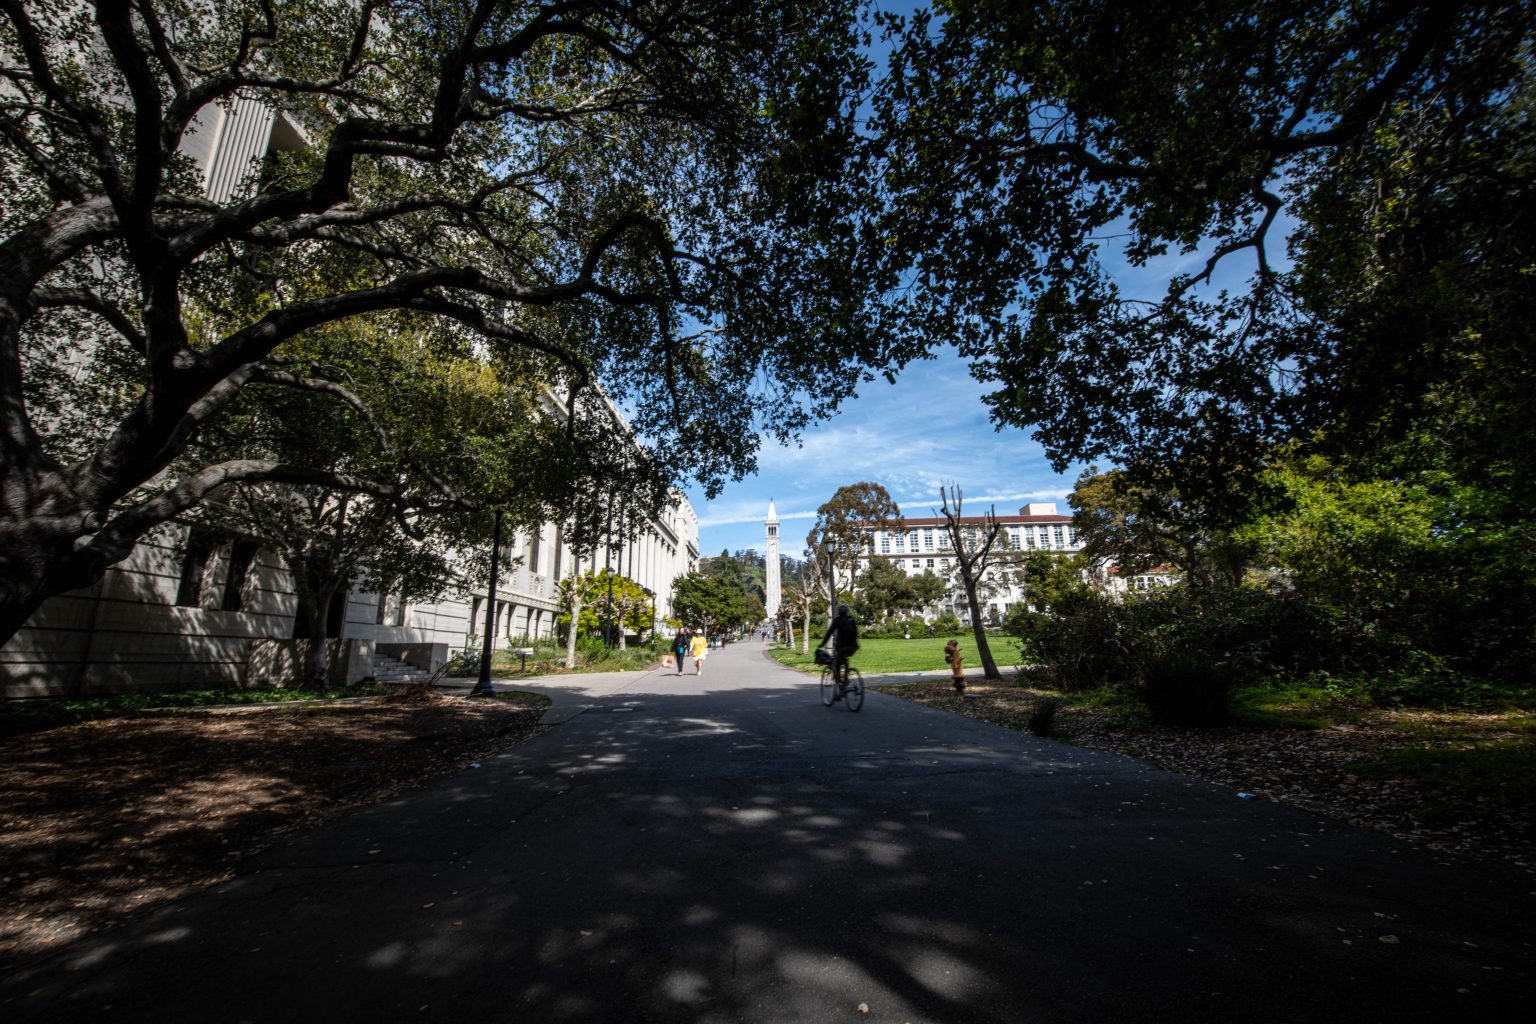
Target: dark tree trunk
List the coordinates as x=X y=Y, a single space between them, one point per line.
x=317 y=670
x=41 y=517
x=979 y=629
x=313 y=621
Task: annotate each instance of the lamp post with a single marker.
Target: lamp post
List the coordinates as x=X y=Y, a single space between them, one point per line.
x=483 y=687
x=829 y=545
x=652 y=595
x=608 y=567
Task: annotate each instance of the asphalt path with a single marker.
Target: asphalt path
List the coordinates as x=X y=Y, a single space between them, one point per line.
x=726 y=849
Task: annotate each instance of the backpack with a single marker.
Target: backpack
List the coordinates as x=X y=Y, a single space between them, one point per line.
x=847 y=633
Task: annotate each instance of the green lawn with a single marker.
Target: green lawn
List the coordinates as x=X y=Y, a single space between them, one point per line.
x=877 y=657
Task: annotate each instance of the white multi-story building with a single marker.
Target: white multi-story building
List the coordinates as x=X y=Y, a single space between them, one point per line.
x=923 y=545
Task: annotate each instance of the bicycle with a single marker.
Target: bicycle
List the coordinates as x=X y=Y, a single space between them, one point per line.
x=851 y=693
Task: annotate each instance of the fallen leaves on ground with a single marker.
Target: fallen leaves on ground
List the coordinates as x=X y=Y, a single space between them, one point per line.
x=1314 y=768
x=106 y=818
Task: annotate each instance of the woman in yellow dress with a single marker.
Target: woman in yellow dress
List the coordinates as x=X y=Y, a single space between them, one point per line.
x=699 y=648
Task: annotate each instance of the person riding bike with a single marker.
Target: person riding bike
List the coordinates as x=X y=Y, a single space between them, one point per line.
x=844 y=634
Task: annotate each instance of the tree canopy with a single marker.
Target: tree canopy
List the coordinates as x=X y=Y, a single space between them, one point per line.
x=1337 y=194
x=657 y=198
x=743 y=570
x=713 y=603
x=845 y=519
x=604 y=598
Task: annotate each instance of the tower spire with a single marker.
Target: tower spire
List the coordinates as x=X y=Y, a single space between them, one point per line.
x=771 y=582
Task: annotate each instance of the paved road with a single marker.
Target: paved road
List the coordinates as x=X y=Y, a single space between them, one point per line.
x=725 y=849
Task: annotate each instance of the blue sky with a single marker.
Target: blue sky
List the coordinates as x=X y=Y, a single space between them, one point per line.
x=927 y=429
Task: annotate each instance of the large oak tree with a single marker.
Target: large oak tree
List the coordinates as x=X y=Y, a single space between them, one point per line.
x=656 y=197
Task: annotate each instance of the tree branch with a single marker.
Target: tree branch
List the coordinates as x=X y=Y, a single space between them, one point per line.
x=96 y=134
x=353 y=401
x=81 y=298
x=66 y=183
x=1433 y=28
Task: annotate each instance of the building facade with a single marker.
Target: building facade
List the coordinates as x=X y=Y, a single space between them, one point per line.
x=923 y=545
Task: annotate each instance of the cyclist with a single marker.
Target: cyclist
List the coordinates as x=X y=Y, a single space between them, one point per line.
x=844 y=635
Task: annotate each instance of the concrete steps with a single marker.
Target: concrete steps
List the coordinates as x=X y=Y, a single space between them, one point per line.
x=394 y=672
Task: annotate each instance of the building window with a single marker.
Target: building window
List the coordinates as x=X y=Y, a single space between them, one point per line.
x=928 y=540
x=885 y=543
x=1013 y=536
x=1029 y=540
x=241 y=555
x=901 y=542
x=944 y=541
x=1060 y=537
x=930 y=563
x=1071 y=536
x=194 y=563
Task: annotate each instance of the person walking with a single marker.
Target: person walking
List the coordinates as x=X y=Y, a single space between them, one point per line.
x=680 y=647
x=699 y=647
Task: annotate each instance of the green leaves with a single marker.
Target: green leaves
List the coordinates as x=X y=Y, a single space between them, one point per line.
x=1096 y=203
x=713 y=603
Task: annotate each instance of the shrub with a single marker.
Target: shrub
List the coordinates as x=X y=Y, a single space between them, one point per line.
x=895 y=629
x=1184 y=687
x=1042 y=716
x=591 y=648
x=947 y=625
x=1080 y=645
x=1426 y=681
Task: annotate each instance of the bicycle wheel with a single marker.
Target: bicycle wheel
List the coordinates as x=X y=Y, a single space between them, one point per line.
x=853 y=697
x=828 y=685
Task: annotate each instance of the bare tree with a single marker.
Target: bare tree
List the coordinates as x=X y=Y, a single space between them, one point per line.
x=800 y=593
x=974 y=553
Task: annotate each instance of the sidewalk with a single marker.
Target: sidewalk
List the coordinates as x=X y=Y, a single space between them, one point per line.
x=569 y=695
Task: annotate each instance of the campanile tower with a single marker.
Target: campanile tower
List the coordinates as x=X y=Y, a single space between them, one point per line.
x=771 y=558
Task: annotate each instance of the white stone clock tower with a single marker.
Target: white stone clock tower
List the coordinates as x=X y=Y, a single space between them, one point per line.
x=771 y=559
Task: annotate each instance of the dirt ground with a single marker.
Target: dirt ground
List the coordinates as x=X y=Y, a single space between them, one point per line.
x=105 y=819
x=1317 y=769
